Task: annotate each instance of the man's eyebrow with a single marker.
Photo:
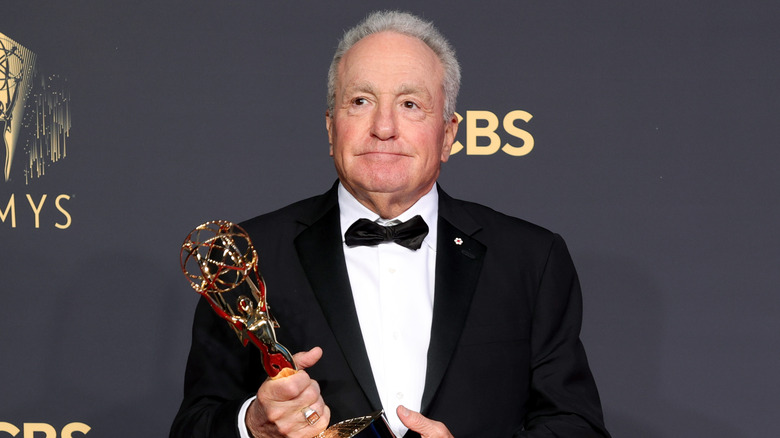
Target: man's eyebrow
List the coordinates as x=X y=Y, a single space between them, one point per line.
x=400 y=90
x=359 y=87
x=406 y=89
x=411 y=89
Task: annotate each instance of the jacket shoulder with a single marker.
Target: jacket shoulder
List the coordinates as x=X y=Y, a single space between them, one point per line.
x=304 y=211
x=492 y=226
x=279 y=228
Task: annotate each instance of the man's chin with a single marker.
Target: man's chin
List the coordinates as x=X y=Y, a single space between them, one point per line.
x=383 y=187
x=392 y=188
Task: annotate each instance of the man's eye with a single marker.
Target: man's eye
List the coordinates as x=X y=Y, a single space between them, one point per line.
x=359 y=101
x=409 y=104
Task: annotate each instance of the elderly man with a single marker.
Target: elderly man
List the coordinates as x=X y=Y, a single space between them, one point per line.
x=463 y=321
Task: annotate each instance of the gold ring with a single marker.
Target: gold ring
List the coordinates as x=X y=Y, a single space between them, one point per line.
x=310 y=415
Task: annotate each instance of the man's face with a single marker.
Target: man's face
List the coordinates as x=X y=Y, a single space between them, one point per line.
x=387 y=132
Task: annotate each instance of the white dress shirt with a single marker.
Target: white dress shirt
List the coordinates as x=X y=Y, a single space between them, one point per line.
x=392 y=287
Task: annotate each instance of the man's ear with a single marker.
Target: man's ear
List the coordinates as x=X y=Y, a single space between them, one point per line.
x=329 y=127
x=450 y=130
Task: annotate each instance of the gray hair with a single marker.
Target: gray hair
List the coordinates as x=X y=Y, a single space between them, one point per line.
x=405 y=24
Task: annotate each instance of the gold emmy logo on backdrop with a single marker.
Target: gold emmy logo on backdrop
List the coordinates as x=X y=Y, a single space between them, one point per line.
x=39 y=109
x=217 y=257
x=16 y=68
x=34 y=125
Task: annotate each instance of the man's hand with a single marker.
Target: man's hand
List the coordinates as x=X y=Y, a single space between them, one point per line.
x=426 y=427
x=278 y=410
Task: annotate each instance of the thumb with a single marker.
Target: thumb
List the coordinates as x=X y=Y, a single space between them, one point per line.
x=305 y=359
x=411 y=419
x=417 y=422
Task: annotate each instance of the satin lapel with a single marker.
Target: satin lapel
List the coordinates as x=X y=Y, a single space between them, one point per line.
x=320 y=250
x=458 y=264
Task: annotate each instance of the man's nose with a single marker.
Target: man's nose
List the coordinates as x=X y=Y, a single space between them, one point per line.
x=384 y=125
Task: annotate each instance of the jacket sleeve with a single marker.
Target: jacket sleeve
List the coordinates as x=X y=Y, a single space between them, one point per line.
x=564 y=401
x=218 y=379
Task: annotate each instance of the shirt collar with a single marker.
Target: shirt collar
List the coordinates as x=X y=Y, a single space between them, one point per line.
x=350 y=210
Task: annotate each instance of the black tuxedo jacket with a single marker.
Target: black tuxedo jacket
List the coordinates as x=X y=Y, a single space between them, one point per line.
x=505 y=359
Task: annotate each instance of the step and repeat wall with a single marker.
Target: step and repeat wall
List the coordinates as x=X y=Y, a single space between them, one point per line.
x=643 y=132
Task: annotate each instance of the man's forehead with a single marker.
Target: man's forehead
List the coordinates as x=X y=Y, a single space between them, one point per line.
x=367 y=86
x=390 y=62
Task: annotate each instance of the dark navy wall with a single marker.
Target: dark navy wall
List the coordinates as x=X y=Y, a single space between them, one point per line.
x=655 y=155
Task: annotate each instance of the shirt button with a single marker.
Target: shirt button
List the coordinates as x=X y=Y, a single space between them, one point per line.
x=396 y=336
x=399 y=395
x=391 y=270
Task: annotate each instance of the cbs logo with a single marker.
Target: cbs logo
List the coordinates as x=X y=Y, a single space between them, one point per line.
x=48 y=430
x=483 y=124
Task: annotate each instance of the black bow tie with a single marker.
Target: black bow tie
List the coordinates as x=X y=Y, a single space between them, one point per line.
x=409 y=234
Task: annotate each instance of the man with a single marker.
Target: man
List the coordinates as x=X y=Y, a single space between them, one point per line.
x=471 y=331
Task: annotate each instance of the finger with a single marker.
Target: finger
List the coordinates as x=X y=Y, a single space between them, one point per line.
x=324 y=420
x=280 y=408
x=291 y=393
x=325 y=417
x=285 y=389
x=288 y=416
x=302 y=360
x=305 y=359
x=312 y=398
x=426 y=427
